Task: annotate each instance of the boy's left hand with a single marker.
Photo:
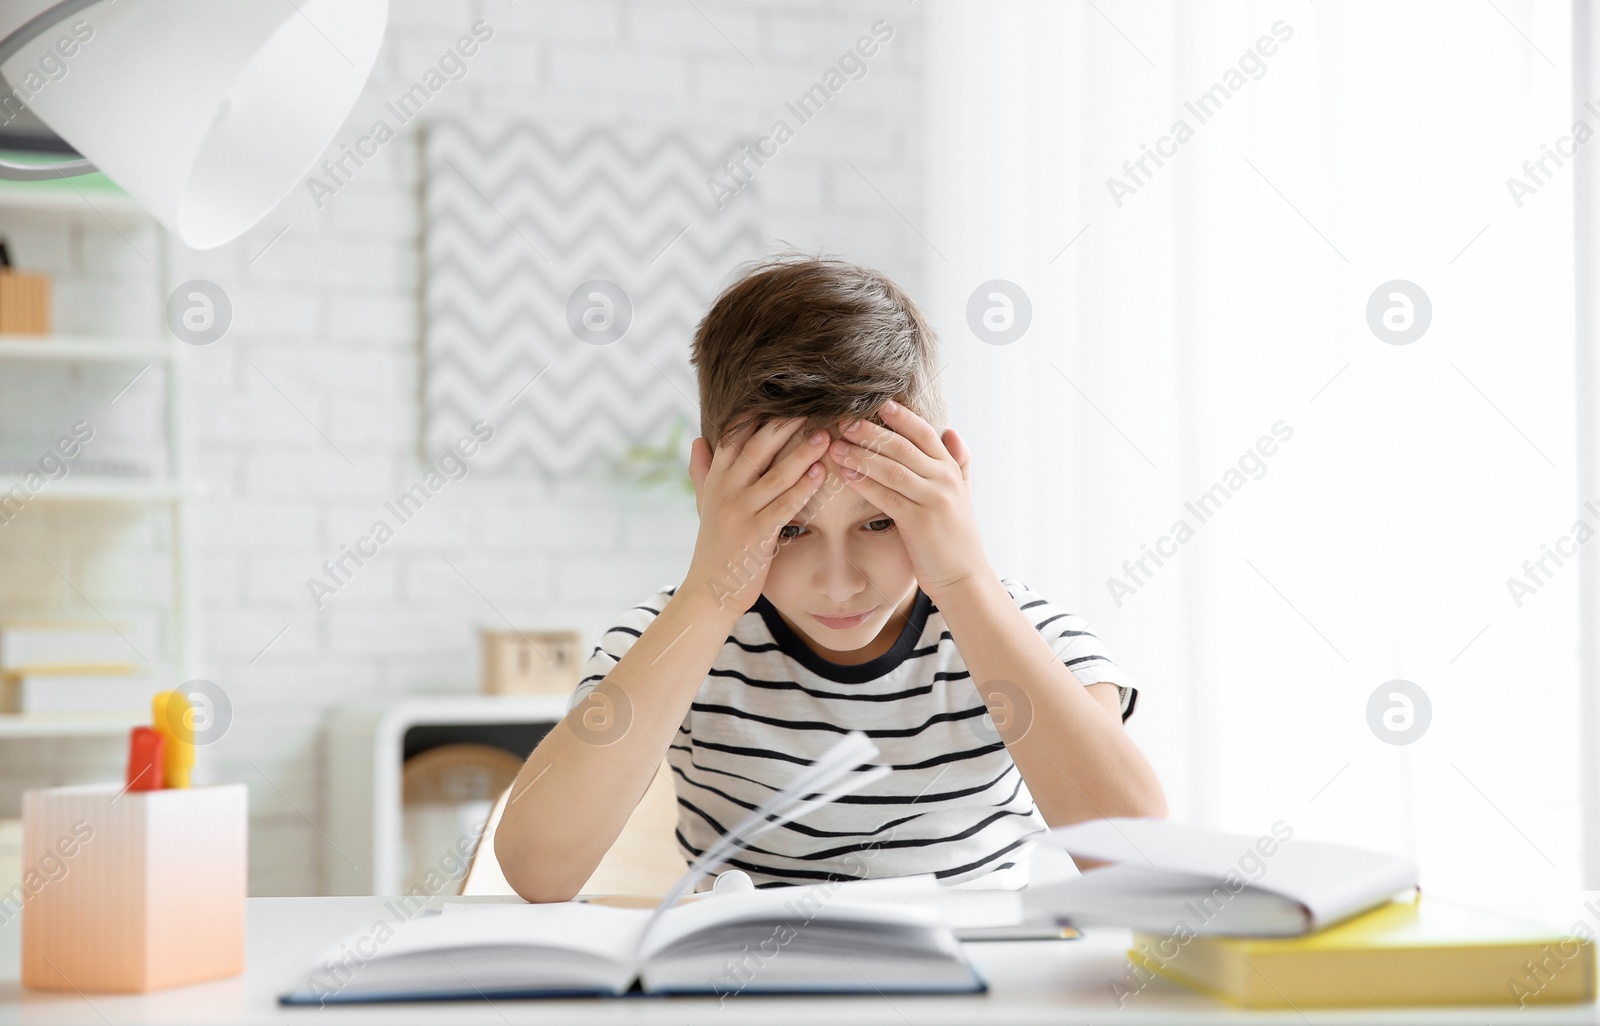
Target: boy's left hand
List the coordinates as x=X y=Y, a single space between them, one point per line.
x=920 y=479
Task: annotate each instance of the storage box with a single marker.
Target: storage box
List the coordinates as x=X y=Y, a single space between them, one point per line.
x=121 y=693
x=24 y=303
x=531 y=662
x=132 y=891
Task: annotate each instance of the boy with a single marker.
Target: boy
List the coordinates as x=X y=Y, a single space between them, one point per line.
x=838 y=582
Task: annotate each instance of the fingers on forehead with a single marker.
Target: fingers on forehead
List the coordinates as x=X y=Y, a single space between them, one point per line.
x=795 y=440
x=744 y=433
x=798 y=431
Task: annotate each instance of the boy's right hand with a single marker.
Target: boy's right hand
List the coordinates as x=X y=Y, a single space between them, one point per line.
x=745 y=497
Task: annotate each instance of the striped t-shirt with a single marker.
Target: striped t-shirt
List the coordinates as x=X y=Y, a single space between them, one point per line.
x=955 y=805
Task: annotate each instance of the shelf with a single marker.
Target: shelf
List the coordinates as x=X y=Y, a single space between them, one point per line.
x=103 y=489
x=80 y=724
x=83 y=347
x=59 y=196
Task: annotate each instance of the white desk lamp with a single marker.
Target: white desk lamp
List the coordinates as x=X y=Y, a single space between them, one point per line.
x=207 y=112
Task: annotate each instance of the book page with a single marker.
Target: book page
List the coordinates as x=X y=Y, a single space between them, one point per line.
x=775 y=905
x=955 y=906
x=608 y=934
x=488 y=948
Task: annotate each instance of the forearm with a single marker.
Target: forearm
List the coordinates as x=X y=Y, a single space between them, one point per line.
x=578 y=788
x=1078 y=761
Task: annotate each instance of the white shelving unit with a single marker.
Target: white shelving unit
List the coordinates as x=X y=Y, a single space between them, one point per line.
x=107 y=348
x=29 y=725
x=365 y=749
x=72 y=199
x=153 y=344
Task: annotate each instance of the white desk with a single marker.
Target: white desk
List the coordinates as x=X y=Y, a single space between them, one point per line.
x=1057 y=982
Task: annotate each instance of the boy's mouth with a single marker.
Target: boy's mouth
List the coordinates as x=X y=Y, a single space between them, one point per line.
x=843 y=623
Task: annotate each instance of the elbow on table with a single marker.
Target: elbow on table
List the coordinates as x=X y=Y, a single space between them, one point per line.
x=543 y=891
x=535 y=877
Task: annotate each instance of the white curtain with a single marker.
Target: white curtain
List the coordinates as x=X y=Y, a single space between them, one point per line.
x=1181 y=316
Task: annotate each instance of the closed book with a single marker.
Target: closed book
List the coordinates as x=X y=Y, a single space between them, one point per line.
x=1165 y=873
x=51 y=694
x=1426 y=951
x=36 y=649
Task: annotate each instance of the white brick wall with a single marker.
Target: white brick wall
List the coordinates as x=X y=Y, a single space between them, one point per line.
x=329 y=314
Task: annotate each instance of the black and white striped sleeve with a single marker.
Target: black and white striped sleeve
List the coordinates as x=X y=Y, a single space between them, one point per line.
x=1074 y=642
x=616 y=641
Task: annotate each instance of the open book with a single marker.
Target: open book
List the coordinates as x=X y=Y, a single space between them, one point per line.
x=1170 y=878
x=774 y=940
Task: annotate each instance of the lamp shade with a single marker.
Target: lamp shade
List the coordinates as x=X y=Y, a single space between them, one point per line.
x=208 y=113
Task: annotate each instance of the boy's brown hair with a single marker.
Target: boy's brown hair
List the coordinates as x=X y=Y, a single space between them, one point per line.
x=813 y=337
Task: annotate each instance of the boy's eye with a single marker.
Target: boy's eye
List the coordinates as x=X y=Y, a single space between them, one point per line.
x=879 y=526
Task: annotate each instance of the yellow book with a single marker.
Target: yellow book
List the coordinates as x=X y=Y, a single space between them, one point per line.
x=1426 y=951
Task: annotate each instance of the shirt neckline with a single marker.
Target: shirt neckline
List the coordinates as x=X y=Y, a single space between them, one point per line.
x=792 y=645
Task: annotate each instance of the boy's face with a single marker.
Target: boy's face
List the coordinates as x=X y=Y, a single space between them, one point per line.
x=841 y=554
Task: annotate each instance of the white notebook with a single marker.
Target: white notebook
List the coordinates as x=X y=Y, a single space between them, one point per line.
x=1173 y=878
x=775 y=940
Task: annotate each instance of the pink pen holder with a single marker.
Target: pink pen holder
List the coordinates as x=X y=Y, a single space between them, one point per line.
x=128 y=891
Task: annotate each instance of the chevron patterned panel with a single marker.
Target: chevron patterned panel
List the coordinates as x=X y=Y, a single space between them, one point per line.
x=517 y=215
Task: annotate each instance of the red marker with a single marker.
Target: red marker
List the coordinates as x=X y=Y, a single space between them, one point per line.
x=146 y=752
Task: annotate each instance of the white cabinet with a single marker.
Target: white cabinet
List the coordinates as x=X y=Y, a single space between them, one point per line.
x=365 y=747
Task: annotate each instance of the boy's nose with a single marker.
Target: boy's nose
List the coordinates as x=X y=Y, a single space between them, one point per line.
x=838 y=578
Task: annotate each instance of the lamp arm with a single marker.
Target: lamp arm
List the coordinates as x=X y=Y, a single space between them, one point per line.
x=24 y=34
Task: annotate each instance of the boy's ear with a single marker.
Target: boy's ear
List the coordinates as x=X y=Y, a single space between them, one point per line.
x=699 y=466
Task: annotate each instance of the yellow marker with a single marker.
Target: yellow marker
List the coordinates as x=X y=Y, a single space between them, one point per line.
x=174 y=720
